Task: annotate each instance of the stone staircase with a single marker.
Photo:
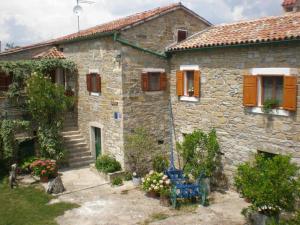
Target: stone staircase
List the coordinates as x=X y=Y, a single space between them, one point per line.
x=74 y=142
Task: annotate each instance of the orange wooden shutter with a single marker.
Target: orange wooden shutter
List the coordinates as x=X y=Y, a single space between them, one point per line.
x=89 y=82
x=145 y=82
x=179 y=83
x=250 y=90
x=98 y=83
x=290 y=93
x=197 y=83
x=163 y=81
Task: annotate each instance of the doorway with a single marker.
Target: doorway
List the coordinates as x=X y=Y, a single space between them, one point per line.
x=97 y=140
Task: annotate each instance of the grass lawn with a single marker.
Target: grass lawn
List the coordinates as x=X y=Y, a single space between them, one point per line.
x=28 y=206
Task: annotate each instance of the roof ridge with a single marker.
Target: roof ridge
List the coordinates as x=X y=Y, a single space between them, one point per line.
x=292 y=14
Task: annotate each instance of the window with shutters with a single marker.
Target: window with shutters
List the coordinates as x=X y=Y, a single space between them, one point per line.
x=271 y=87
x=188 y=84
x=93 y=81
x=181 y=35
x=154 y=81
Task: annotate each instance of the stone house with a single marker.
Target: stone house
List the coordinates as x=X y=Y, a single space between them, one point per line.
x=121 y=82
x=232 y=71
x=216 y=77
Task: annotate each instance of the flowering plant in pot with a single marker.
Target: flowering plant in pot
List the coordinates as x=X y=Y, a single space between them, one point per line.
x=44 y=168
x=154 y=182
x=271 y=184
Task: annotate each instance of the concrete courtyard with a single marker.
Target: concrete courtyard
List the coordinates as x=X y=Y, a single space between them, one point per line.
x=102 y=204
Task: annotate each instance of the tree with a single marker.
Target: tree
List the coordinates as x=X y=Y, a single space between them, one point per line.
x=47 y=104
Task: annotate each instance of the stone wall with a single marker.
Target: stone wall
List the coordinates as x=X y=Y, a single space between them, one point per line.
x=100 y=54
x=150 y=109
x=220 y=106
x=159 y=33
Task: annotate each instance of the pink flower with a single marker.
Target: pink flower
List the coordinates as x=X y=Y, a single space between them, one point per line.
x=43 y=172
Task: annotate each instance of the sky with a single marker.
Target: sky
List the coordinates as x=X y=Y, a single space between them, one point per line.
x=29 y=21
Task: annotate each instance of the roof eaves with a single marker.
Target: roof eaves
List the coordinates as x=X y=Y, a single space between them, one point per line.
x=240 y=44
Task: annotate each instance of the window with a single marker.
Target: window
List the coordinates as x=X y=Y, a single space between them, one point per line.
x=272 y=88
x=181 y=35
x=260 y=88
x=188 y=83
x=5 y=81
x=93 y=81
x=154 y=81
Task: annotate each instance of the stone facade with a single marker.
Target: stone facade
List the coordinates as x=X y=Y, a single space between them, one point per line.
x=120 y=68
x=240 y=132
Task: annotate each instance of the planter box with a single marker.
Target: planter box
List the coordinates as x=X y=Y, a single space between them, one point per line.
x=110 y=176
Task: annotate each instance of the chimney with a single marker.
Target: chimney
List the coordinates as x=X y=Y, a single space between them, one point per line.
x=291 y=5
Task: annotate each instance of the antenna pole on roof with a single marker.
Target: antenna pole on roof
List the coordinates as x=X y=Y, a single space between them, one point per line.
x=78 y=10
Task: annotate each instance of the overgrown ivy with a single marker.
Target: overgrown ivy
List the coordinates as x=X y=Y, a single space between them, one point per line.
x=8 y=129
x=22 y=69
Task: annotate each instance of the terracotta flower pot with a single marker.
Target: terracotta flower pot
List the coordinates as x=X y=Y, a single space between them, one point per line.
x=152 y=194
x=44 y=179
x=164 y=201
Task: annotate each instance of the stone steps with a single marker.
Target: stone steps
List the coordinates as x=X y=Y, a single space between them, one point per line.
x=75 y=144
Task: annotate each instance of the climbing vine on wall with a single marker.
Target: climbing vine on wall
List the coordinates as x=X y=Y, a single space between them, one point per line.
x=8 y=141
x=22 y=69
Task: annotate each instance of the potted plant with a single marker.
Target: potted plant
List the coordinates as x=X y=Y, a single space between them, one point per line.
x=270 y=104
x=191 y=91
x=154 y=182
x=44 y=169
x=136 y=180
x=271 y=185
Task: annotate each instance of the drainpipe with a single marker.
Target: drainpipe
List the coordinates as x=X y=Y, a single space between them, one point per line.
x=125 y=42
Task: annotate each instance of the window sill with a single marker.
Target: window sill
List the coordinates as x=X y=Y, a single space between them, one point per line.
x=95 y=94
x=153 y=92
x=189 y=99
x=275 y=112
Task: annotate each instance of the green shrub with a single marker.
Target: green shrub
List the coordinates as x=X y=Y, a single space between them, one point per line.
x=117 y=181
x=271 y=184
x=139 y=149
x=200 y=153
x=160 y=163
x=107 y=164
x=25 y=165
x=127 y=176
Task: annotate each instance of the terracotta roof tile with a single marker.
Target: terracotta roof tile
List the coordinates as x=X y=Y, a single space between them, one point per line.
x=51 y=53
x=121 y=23
x=253 y=31
x=112 y=26
x=288 y=2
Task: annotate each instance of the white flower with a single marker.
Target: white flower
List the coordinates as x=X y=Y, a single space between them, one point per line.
x=151 y=172
x=165 y=177
x=161 y=186
x=168 y=182
x=161 y=174
x=148 y=179
x=161 y=181
x=152 y=185
x=154 y=181
x=134 y=174
x=143 y=180
x=156 y=188
x=150 y=189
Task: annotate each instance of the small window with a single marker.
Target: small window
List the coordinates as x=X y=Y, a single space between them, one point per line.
x=5 y=81
x=181 y=35
x=189 y=83
x=154 y=81
x=272 y=89
x=93 y=83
